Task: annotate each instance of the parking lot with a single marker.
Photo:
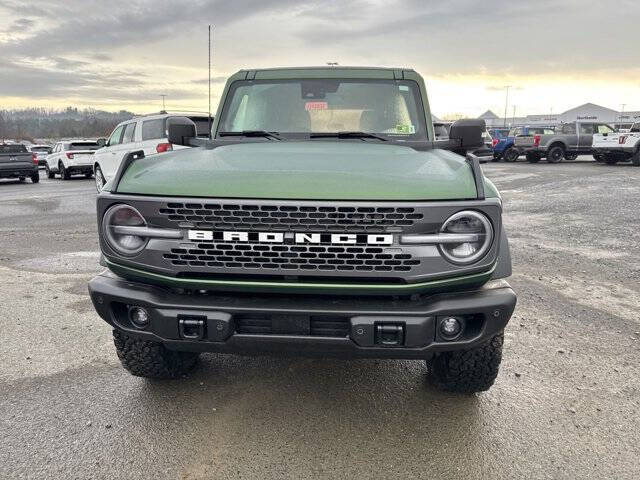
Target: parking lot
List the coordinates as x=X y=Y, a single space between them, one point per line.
x=566 y=403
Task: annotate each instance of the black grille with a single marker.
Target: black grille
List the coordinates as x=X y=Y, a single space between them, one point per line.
x=231 y=255
x=290 y=217
x=315 y=326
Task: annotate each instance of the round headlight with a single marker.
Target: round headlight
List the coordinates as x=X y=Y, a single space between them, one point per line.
x=123 y=216
x=471 y=223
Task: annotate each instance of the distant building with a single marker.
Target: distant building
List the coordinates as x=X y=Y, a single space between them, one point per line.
x=586 y=112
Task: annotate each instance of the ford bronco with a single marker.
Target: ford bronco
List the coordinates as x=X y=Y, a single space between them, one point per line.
x=321 y=218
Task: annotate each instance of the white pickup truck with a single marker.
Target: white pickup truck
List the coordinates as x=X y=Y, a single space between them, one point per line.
x=617 y=147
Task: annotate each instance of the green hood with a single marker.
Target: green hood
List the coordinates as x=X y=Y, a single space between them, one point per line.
x=309 y=170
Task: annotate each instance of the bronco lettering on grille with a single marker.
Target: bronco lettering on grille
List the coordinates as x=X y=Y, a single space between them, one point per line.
x=290 y=237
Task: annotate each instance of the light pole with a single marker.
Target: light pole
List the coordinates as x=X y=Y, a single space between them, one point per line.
x=506 y=103
x=163 y=95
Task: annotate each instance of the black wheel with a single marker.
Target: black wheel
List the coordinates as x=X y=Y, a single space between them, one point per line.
x=99 y=178
x=144 y=358
x=64 y=173
x=468 y=371
x=497 y=157
x=533 y=158
x=570 y=156
x=35 y=178
x=511 y=155
x=610 y=159
x=635 y=160
x=555 y=154
x=598 y=157
x=21 y=179
x=50 y=174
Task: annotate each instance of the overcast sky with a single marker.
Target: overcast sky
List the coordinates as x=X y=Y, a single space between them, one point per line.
x=124 y=54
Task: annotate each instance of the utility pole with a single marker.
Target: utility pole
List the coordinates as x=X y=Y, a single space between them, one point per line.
x=163 y=95
x=209 y=81
x=506 y=103
x=513 y=120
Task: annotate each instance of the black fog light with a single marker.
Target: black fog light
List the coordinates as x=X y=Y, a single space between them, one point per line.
x=139 y=317
x=450 y=327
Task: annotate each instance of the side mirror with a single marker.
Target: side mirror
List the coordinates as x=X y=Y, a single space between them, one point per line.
x=467 y=134
x=101 y=142
x=180 y=130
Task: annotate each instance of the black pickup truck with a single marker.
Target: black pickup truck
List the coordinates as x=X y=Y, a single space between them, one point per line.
x=17 y=162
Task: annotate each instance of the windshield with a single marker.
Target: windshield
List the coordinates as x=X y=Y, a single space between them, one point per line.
x=500 y=133
x=41 y=149
x=83 y=146
x=297 y=108
x=202 y=125
x=541 y=131
x=12 y=148
x=440 y=130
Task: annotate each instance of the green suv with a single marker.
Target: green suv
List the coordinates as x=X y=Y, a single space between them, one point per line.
x=322 y=218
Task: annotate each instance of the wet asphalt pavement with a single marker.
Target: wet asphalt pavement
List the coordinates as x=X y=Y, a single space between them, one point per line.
x=565 y=405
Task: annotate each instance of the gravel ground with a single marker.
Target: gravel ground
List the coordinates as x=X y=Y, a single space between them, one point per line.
x=565 y=405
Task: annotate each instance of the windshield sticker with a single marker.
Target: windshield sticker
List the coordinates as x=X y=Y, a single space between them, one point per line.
x=403 y=88
x=316 y=106
x=405 y=129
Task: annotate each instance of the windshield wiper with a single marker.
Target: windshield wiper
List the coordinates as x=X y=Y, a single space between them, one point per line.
x=347 y=135
x=251 y=133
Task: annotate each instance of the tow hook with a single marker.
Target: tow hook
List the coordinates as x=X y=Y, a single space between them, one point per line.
x=389 y=334
x=191 y=328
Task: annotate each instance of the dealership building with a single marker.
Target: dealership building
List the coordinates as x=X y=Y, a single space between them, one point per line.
x=587 y=112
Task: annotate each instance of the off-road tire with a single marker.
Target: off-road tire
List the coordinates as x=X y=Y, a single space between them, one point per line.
x=533 y=158
x=50 y=174
x=635 y=160
x=35 y=178
x=555 y=154
x=468 y=371
x=511 y=155
x=598 y=157
x=144 y=358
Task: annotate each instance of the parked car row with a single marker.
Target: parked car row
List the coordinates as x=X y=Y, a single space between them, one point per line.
x=566 y=142
x=89 y=157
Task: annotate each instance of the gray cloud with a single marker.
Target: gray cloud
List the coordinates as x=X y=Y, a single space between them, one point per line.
x=76 y=48
x=94 y=25
x=498 y=36
x=205 y=81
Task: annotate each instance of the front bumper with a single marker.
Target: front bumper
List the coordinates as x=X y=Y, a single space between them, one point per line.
x=623 y=151
x=313 y=325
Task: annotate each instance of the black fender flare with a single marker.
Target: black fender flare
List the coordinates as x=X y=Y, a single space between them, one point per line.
x=503 y=263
